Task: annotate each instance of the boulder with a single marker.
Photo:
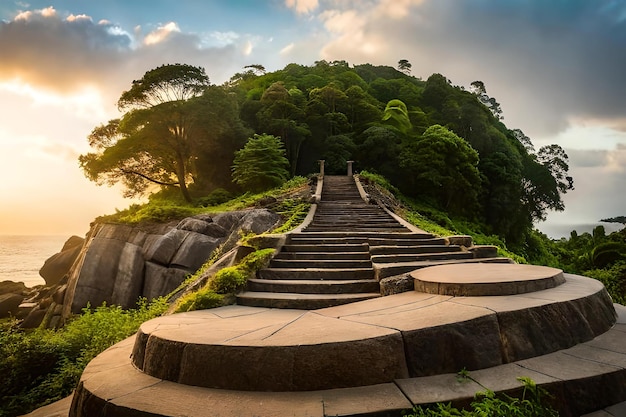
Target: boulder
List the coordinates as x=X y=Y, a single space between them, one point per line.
x=95 y=280
x=9 y=304
x=194 y=251
x=10 y=287
x=34 y=319
x=56 y=266
x=259 y=221
x=163 y=250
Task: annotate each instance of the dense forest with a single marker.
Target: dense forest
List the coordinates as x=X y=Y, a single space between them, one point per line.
x=440 y=146
x=434 y=141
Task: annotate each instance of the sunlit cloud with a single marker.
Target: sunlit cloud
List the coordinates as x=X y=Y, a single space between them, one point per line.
x=616 y=159
x=287 y=49
x=302 y=6
x=247 y=48
x=84 y=103
x=397 y=9
x=28 y=15
x=74 y=18
x=162 y=33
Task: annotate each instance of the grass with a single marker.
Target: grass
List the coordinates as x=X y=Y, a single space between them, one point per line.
x=162 y=208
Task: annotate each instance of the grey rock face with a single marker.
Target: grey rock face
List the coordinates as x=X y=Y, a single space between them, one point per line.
x=120 y=263
x=55 y=267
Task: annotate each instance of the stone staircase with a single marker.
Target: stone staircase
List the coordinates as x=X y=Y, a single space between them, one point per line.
x=347 y=248
x=377 y=357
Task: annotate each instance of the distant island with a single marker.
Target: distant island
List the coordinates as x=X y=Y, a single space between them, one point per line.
x=618 y=219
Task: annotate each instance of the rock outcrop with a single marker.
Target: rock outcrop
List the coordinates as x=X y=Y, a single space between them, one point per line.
x=55 y=267
x=120 y=263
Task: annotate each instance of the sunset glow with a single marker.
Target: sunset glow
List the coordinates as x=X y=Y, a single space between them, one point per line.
x=65 y=64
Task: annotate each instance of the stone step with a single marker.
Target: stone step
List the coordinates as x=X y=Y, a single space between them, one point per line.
x=418 y=257
x=405 y=234
x=349 y=226
x=316 y=273
x=355 y=225
x=300 y=240
x=300 y=301
x=322 y=256
x=319 y=263
x=390 y=270
x=314 y=286
x=407 y=241
x=326 y=248
x=423 y=246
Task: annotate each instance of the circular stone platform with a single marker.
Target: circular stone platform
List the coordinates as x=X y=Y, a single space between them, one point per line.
x=378 y=341
x=481 y=279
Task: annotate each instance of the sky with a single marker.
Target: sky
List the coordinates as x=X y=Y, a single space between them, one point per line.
x=558 y=69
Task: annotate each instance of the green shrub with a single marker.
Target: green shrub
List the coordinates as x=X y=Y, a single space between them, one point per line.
x=42 y=365
x=202 y=299
x=378 y=179
x=614 y=279
x=229 y=280
x=217 y=196
x=294 y=212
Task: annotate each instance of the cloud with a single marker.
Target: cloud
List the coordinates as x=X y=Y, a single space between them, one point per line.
x=66 y=55
x=40 y=48
x=616 y=159
x=546 y=62
x=587 y=158
x=302 y=6
x=161 y=33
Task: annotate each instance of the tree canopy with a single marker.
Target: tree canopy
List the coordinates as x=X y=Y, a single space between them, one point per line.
x=434 y=141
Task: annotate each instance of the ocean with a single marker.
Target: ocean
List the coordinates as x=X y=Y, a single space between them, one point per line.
x=21 y=257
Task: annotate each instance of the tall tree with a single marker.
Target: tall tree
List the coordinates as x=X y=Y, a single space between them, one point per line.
x=280 y=116
x=404 y=66
x=260 y=164
x=478 y=88
x=153 y=143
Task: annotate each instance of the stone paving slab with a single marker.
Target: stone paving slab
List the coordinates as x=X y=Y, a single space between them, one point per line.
x=406 y=335
x=486 y=279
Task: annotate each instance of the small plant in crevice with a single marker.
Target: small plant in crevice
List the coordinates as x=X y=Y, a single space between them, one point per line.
x=532 y=403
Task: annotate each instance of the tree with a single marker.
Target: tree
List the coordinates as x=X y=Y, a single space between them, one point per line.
x=261 y=164
x=280 y=116
x=397 y=115
x=167 y=83
x=152 y=144
x=378 y=150
x=443 y=166
x=478 y=89
x=555 y=159
x=404 y=66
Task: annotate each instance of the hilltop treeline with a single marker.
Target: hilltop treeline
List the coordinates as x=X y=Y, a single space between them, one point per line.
x=434 y=141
